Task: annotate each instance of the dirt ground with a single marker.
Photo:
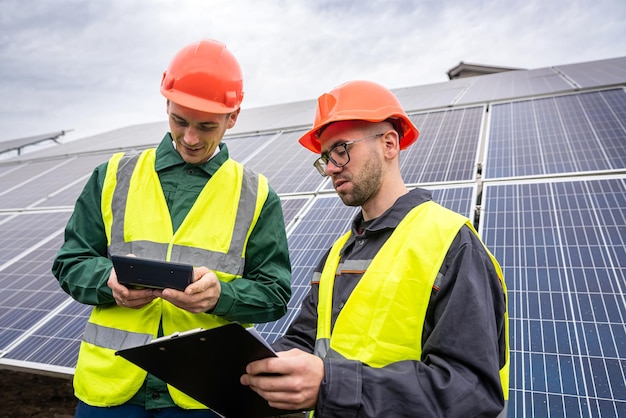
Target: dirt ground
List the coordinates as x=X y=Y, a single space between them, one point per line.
x=32 y=395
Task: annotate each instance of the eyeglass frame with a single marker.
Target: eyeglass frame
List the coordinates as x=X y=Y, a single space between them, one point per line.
x=322 y=162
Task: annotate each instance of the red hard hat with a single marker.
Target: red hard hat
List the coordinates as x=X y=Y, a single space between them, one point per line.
x=204 y=76
x=359 y=100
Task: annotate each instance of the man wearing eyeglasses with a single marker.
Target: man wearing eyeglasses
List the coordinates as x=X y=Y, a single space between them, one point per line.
x=406 y=315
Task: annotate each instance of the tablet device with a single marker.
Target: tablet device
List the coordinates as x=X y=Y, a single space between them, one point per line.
x=136 y=272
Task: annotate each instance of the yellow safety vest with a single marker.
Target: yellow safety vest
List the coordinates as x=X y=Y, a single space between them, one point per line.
x=384 y=316
x=136 y=218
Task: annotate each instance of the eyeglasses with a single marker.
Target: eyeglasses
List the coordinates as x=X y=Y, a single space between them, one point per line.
x=338 y=155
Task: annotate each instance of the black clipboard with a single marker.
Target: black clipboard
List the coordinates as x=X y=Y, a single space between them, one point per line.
x=207 y=365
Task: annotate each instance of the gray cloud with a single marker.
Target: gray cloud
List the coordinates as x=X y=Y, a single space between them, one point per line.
x=94 y=66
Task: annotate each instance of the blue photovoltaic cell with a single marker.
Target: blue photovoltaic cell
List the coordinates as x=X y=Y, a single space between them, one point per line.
x=291 y=208
x=327 y=219
x=574 y=133
x=562 y=247
x=447 y=148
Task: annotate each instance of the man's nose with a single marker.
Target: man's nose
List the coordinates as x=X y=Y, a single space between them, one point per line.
x=191 y=136
x=332 y=169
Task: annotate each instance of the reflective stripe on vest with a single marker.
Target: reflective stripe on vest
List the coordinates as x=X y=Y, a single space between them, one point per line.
x=136 y=217
x=113 y=338
x=383 y=318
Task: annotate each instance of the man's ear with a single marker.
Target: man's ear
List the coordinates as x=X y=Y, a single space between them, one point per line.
x=232 y=118
x=391 y=141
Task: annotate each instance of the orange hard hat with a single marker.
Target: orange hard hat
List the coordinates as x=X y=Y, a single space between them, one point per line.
x=359 y=100
x=204 y=76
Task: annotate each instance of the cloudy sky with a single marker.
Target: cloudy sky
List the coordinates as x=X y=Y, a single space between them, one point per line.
x=95 y=66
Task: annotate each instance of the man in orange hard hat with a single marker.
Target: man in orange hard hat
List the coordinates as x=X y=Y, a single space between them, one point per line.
x=185 y=201
x=406 y=316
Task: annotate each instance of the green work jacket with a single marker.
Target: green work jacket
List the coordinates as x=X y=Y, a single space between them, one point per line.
x=261 y=295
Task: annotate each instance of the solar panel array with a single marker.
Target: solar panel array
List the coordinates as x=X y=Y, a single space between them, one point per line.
x=448 y=149
x=538 y=157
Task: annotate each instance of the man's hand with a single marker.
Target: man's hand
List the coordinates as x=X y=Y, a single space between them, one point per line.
x=200 y=296
x=293 y=382
x=129 y=298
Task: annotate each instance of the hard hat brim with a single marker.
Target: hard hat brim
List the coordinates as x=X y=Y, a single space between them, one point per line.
x=311 y=141
x=196 y=103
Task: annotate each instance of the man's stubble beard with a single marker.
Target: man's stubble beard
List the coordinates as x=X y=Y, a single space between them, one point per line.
x=366 y=184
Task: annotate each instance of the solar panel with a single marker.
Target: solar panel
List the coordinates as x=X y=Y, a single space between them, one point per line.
x=562 y=247
x=596 y=73
x=53 y=188
x=45 y=179
x=22 y=143
x=24 y=232
x=514 y=84
x=65 y=196
x=557 y=135
x=54 y=344
x=6 y=169
x=431 y=96
x=447 y=148
x=242 y=147
x=14 y=181
x=285 y=163
x=135 y=137
x=28 y=293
